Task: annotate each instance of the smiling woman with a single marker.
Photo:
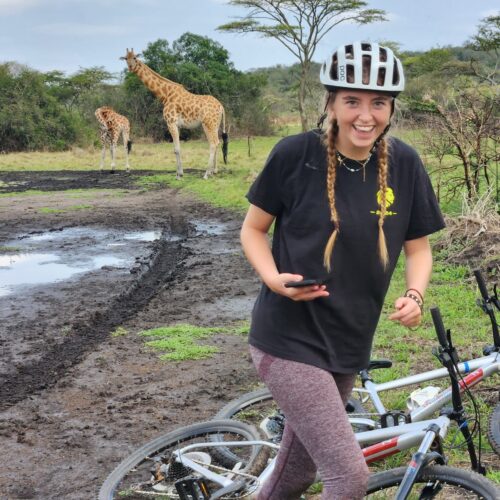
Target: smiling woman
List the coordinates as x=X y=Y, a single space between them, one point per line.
x=332 y=223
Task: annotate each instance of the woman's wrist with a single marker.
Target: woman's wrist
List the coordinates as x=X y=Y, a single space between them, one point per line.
x=417 y=296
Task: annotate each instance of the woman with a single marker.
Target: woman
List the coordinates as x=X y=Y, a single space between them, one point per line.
x=344 y=204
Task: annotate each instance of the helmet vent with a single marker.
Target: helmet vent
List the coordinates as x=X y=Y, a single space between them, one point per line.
x=367 y=63
x=381 y=76
x=349 y=73
x=349 y=52
x=366 y=47
x=334 y=73
x=395 y=75
x=382 y=55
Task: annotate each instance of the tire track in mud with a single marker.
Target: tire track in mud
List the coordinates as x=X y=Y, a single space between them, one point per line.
x=163 y=264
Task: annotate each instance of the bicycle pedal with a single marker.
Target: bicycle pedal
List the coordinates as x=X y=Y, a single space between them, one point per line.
x=394 y=418
x=192 y=488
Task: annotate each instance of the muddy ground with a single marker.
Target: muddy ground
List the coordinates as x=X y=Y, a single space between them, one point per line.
x=74 y=400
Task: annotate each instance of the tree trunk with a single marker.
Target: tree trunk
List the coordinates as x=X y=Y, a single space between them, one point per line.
x=302 y=96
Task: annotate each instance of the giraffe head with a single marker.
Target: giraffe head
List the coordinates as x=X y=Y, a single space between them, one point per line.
x=132 y=59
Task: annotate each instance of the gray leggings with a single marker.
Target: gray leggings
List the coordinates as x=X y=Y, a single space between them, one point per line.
x=317 y=436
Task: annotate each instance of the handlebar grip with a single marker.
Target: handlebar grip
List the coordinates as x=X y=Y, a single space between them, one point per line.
x=481 y=284
x=439 y=327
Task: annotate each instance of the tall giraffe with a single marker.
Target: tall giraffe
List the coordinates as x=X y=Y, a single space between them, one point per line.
x=184 y=109
x=112 y=125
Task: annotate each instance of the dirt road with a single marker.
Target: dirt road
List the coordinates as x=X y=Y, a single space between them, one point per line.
x=74 y=400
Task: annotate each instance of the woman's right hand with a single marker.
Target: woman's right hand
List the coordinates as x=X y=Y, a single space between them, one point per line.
x=305 y=293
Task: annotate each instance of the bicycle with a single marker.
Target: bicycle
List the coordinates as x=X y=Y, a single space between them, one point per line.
x=258 y=408
x=186 y=464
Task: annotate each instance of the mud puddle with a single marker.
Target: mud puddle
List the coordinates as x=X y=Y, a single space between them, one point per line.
x=53 y=256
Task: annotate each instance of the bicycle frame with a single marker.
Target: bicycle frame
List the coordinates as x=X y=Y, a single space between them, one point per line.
x=389 y=441
x=483 y=367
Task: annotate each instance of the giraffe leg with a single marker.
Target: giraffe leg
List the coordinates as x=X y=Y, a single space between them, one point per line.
x=174 y=132
x=103 y=153
x=125 y=136
x=212 y=159
x=113 y=151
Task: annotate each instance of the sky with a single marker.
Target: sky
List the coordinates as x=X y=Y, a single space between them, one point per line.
x=68 y=35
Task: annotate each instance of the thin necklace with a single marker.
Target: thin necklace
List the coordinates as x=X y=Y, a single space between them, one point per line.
x=342 y=162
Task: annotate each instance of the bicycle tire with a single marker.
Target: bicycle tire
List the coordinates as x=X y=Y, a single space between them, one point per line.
x=457 y=484
x=254 y=458
x=494 y=429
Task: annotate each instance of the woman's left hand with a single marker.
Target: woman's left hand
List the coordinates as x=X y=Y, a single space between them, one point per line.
x=407 y=313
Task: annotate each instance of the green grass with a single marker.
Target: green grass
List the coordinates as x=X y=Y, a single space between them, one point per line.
x=159 y=156
x=119 y=332
x=228 y=187
x=181 y=342
x=48 y=210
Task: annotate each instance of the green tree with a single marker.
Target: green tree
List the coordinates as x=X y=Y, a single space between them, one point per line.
x=31 y=117
x=300 y=26
x=488 y=34
x=487 y=39
x=427 y=62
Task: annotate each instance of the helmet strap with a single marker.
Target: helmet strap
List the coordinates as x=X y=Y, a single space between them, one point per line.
x=324 y=114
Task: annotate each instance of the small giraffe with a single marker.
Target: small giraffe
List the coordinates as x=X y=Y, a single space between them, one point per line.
x=184 y=109
x=112 y=125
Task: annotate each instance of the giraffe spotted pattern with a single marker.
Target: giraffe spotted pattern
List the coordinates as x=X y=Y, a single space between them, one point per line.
x=182 y=109
x=112 y=124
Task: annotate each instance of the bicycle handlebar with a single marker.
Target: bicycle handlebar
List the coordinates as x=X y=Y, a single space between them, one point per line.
x=487 y=306
x=439 y=327
x=481 y=284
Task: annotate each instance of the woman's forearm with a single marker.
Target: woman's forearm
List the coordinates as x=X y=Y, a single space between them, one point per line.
x=418 y=264
x=258 y=252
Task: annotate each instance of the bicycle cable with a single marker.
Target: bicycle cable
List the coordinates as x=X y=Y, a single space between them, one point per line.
x=476 y=428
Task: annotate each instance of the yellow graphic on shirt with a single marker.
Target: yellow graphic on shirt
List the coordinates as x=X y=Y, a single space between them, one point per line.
x=389 y=200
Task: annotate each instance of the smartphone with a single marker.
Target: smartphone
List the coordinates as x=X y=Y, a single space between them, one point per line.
x=306 y=282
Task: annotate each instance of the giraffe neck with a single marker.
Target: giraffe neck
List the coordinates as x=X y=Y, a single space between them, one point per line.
x=158 y=84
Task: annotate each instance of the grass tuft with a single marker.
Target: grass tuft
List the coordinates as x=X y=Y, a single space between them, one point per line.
x=180 y=342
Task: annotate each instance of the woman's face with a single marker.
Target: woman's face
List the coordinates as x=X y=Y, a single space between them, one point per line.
x=361 y=117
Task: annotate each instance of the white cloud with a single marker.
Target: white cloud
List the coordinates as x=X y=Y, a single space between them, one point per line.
x=77 y=29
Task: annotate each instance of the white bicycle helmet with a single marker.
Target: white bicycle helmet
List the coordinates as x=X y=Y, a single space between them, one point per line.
x=363 y=66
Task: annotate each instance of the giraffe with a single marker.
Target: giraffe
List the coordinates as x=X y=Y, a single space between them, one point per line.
x=184 y=109
x=112 y=125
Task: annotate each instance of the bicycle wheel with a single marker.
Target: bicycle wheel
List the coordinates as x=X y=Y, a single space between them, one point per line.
x=259 y=409
x=494 y=429
x=149 y=471
x=439 y=481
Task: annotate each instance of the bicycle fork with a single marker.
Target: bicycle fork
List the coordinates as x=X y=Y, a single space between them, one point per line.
x=420 y=459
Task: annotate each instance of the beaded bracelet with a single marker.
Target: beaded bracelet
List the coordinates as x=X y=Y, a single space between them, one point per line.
x=415 y=290
x=418 y=300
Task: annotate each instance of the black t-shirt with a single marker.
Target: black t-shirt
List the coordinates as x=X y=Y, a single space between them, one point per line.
x=335 y=332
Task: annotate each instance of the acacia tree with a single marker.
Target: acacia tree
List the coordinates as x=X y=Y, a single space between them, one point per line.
x=299 y=25
x=467 y=117
x=487 y=39
x=488 y=34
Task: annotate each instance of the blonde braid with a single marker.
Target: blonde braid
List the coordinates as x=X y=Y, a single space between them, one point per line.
x=330 y=186
x=382 y=185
